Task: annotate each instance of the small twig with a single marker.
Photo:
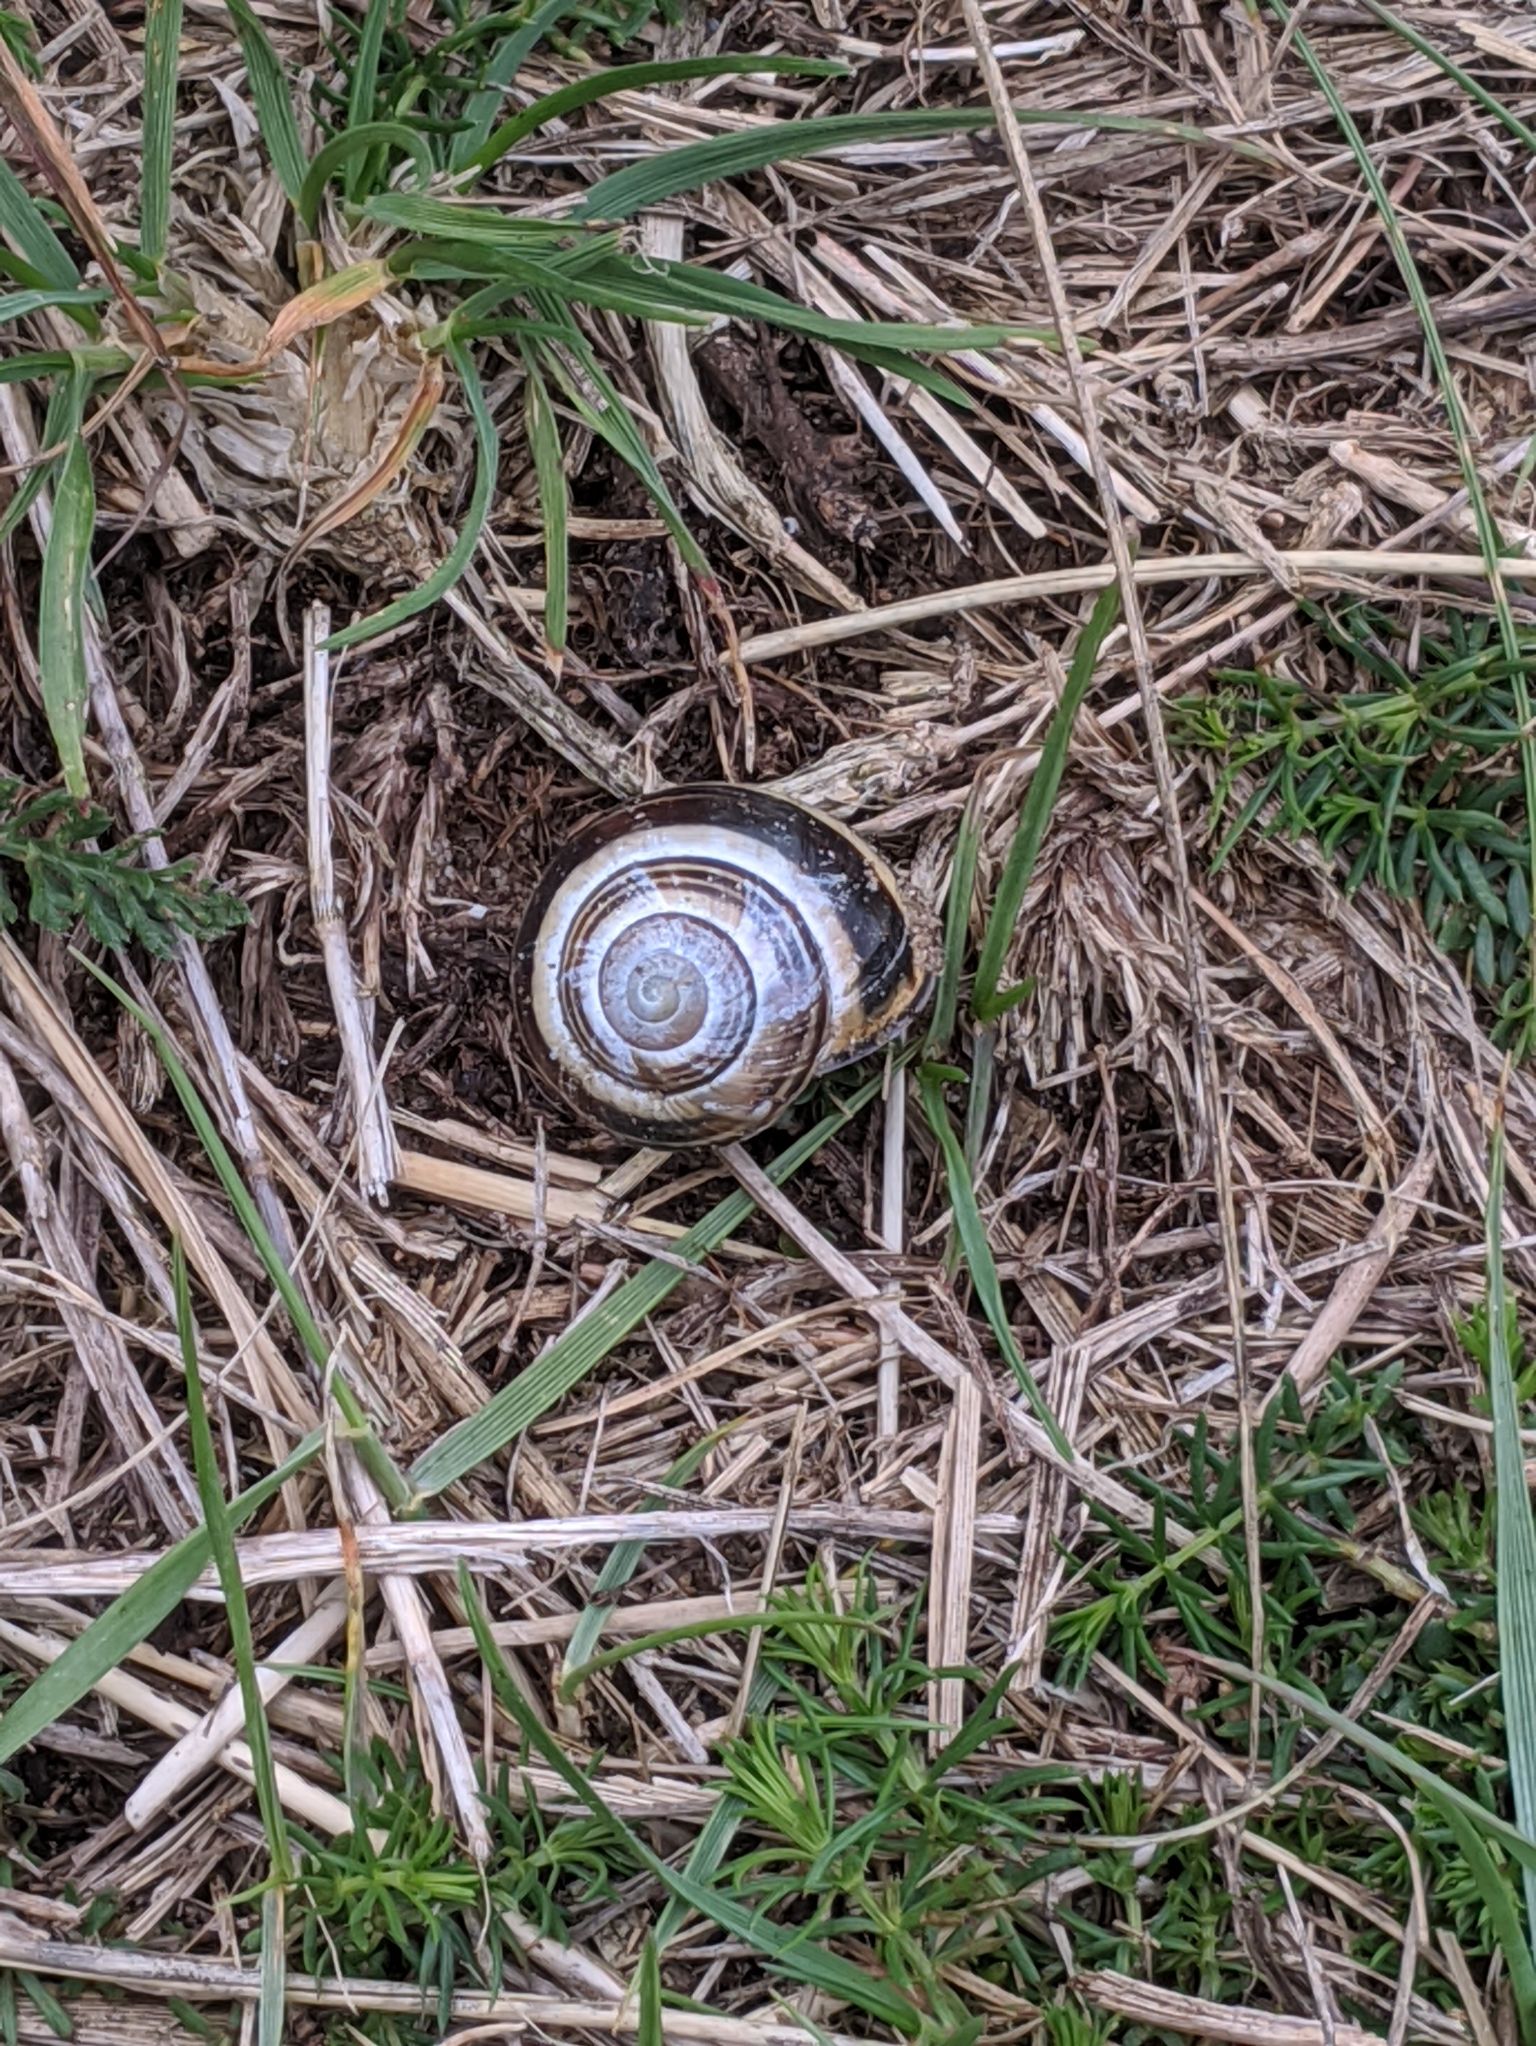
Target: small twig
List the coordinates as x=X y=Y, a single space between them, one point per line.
x=377 y=1152
x=174 y=1975
x=438 y=1727
x=126 y=1407
x=306 y=1801
x=1332 y=564
x=954 y=1554
x=202 y=1745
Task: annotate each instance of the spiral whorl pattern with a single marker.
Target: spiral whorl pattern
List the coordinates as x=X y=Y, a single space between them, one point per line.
x=687 y=964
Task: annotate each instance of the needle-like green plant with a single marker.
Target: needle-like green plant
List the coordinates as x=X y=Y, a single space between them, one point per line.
x=1414 y=780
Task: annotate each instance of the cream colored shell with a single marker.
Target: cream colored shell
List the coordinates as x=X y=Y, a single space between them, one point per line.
x=689 y=963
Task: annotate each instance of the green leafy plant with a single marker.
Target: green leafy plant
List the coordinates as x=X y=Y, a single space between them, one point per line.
x=1415 y=781
x=68 y=879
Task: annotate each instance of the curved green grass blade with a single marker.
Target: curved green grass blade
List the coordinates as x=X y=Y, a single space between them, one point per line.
x=581 y=92
x=61 y=615
x=461 y=220
x=16 y=305
x=972 y=1232
x=462 y=551
x=599 y=403
x=957 y=924
x=554 y=503
x=1445 y=1795
x=1514 y=1530
x=23 y=225
x=1504 y=114
x=271 y=2010
x=484 y=105
x=624 y=1557
x=218 y=1526
x=1498 y=1901
x=61 y=425
x=344 y=151
x=363 y=89
x=648 y=2021
x=694 y=164
x=677 y=291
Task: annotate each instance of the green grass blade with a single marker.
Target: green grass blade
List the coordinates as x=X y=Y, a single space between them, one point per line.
x=1503 y=1912
x=786 y=1949
x=363 y=90
x=61 y=426
x=61 y=613
x=977 y=1251
x=271 y=2011
x=695 y=164
x=381 y=1466
x=162 y=63
x=1490 y=102
x=554 y=503
x=684 y=291
x=221 y=1542
x=604 y=411
x=1039 y=801
x=115 y=1633
x=581 y=92
x=269 y=92
x=462 y=551
x=483 y=106
x=42 y=362
x=16 y=305
x=23 y=225
x=1446 y=1796
x=1473 y=1826
x=456 y=221
x=508 y=1413
x=1514 y=1531
x=648 y=2024
x=350 y=150
x=709 y=1850
x=624 y=1557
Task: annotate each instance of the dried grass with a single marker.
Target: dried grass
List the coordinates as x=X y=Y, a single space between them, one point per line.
x=1239 y=1132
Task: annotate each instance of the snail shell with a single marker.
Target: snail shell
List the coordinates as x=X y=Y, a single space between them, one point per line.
x=690 y=962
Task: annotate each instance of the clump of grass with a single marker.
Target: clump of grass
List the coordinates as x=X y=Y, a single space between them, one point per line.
x=395 y=1899
x=1415 y=781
